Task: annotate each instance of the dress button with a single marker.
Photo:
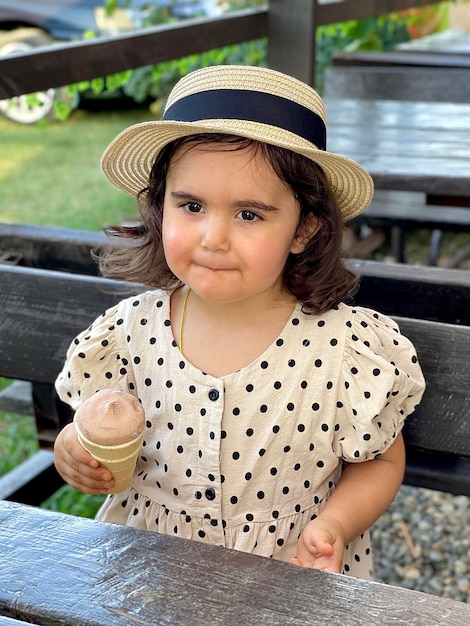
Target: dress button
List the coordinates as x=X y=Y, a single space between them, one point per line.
x=213 y=395
x=210 y=493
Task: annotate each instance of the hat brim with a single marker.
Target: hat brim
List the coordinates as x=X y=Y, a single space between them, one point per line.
x=129 y=158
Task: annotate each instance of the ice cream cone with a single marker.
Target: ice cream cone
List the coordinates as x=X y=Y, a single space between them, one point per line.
x=120 y=459
x=110 y=425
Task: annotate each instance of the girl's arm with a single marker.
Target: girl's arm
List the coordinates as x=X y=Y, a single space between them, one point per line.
x=364 y=492
x=77 y=467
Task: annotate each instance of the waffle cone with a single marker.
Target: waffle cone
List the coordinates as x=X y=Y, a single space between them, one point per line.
x=120 y=460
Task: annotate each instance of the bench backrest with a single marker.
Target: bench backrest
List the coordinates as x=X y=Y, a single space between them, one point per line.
x=43 y=310
x=395 y=289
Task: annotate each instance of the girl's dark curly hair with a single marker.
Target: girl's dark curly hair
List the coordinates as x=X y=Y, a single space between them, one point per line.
x=317 y=276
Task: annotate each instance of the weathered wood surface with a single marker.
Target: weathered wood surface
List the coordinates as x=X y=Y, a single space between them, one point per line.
x=423 y=84
x=408 y=146
x=52 y=305
x=434 y=294
x=437 y=434
x=62 y=249
x=60 y=570
x=73 y=62
x=406 y=56
x=440 y=422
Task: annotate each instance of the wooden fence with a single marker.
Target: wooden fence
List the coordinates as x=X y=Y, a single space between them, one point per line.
x=288 y=25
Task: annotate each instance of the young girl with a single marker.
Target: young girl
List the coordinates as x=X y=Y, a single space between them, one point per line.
x=273 y=409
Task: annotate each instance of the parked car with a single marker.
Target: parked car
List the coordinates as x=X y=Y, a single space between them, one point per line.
x=25 y=25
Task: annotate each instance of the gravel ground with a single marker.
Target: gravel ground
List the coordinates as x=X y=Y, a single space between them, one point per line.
x=423 y=542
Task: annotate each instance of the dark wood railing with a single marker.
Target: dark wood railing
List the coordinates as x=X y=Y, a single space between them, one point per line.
x=288 y=25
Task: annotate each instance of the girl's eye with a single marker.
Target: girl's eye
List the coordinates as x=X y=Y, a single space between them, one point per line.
x=193 y=207
x=249 y=216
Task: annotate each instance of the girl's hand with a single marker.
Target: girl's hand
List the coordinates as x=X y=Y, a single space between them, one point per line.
x=77 y=467
x=321 y=546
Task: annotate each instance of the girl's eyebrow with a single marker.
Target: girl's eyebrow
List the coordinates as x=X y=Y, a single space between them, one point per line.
x=255 y=204
x=242 y=204
x=185 y=195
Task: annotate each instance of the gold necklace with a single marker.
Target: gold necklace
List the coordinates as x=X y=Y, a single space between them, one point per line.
x=183 y=311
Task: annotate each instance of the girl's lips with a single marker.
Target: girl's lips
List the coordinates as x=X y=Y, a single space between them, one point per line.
x=214 y=267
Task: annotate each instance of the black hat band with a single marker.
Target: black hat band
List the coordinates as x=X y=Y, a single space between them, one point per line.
x=253 y=106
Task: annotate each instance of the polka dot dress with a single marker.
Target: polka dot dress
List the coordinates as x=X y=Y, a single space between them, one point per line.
x=247 y=460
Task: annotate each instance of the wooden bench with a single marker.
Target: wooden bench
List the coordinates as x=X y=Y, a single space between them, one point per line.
x=401 y=211
x=68 y=571
x=43 y=310
x=399 y=75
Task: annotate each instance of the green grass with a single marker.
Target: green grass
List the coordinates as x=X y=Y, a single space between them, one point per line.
x=50 y=176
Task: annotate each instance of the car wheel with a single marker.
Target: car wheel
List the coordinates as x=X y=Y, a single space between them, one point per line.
x=19 y=109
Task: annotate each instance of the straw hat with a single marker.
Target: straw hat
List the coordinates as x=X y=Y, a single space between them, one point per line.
x=252 y=102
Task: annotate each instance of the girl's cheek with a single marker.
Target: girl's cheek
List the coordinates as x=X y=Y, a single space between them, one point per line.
x=173 y=240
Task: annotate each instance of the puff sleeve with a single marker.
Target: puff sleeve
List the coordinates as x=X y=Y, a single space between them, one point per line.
x=93 y=362
x=380 y=384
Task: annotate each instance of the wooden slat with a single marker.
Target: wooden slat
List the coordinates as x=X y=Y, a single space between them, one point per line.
x=51 y=305
x=62 y=249
x=411 y=291
x=440 y=422
x=60 y=570
x=33 y=481
x=11 y=621
x=442 y=472
x=423 y=84
x=286 y=26
x=399 y=57
x=68 y=63
x=341 y=10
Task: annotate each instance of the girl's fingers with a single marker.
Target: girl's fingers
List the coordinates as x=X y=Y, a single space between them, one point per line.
x=77 y=467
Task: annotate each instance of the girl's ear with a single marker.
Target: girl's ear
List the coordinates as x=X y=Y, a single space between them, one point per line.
x=306 y=230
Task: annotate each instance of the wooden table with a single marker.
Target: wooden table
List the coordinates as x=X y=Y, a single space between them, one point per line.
x=409 y=146
x=61 y=570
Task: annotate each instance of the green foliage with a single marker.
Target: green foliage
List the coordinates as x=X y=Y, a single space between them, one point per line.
x=68 y=500
x=17 y=440
x=4 y=382
x=154 y=82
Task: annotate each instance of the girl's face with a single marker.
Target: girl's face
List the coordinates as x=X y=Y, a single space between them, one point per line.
x=229 y=223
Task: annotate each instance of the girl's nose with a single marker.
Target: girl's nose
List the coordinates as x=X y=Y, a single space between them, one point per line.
x=215 y=234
